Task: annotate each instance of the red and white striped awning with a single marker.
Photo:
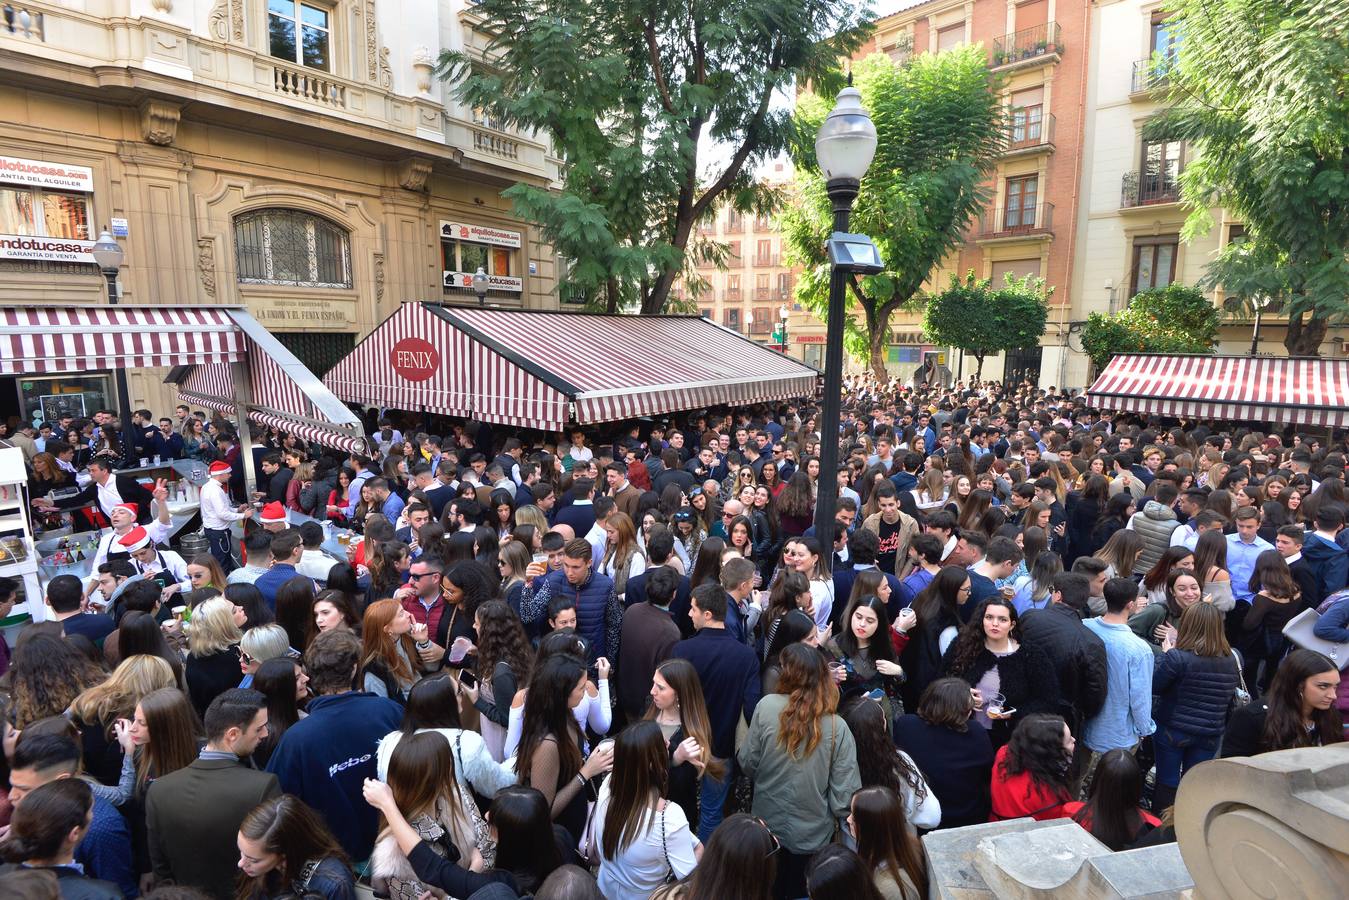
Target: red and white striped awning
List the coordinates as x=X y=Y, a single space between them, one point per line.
x=1303 y=391
x=545 y=369
x=201 y=343
x=48 y=339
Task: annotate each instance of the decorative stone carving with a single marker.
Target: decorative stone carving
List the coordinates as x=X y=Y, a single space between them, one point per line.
x=237 y=18
x=218 y=22
x=159 y=121
x=379 y=277
x=206 y=265
x=371 y=41
x=422 y=64
x=385 y=70
x=413 y=172
x=164 y=6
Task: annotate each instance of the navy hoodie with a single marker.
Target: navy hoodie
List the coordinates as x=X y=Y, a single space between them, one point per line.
x=325 y=758
x=1328 y=562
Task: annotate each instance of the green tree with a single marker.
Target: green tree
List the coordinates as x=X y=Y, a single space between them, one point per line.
x=1259 y=89
x=1173 y=319
x=980 y=319
x=629 y=93
x=939 y=130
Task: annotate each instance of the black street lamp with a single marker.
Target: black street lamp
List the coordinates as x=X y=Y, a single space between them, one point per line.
x=108 y=255
x=1260 y=302
x=480 y=286
x=844 y=149
x=783 y=312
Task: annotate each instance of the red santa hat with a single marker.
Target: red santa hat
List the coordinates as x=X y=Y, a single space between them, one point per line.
x=129 y=507
x=273 y=512
x=219 y=468
x=135 y=539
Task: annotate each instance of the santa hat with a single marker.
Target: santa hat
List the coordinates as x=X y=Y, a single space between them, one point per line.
x=135 y=539
x=129 y=507
x=273 y=512
x=219 y=468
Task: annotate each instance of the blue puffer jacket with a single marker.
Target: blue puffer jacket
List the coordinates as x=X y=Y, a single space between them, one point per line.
x=599 y=616
x=1193 y=692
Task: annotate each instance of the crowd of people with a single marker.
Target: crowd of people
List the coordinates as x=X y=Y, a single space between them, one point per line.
x=625 y=665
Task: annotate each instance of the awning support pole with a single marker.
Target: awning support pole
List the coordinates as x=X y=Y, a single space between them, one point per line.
x=243 y=397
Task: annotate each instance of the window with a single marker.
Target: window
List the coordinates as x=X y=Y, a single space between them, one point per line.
x=735 y=222
x=1017 y=268
x=318 y=351
x=300 y=33
x=950 y=37
x=1236 y=233
x=1027 y=116
x=763 y=223
x=1030 y=15
x=733 y=287
x=705 y=313
x=1163 y=38
x=785 y=284
x=760 y=286
x=733 y=319
x=1021 y=199
x=734 y=252
x=286 y=246
x=1160 y=174
x=759 y=322
x=44 y=213
x=764 y=256
x=1154 y=262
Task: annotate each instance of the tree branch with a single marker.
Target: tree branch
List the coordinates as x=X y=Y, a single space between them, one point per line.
x=738 y=160
x=653 y=50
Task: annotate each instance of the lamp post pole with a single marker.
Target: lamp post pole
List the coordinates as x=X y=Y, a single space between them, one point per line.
x=782 y=317
x=844 y=148
x=1259 y=303
x=108 y=254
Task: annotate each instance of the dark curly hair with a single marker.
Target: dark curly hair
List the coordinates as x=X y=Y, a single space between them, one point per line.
x=473 y=579
x=501 y=638
x=1036 y=747
x=969 y=643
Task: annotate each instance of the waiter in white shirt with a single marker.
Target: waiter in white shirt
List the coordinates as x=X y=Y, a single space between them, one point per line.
x=123 y=517
x=218 y=515
x=165 y=567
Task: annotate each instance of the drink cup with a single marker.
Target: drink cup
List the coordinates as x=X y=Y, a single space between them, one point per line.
x=179 y=612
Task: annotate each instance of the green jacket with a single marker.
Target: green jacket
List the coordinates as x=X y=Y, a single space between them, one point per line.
x=801 y=800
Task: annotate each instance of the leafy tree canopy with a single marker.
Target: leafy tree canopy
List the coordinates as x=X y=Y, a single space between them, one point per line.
x=627 y=91
x=1260 y=89
x=980 y=319
x=1173 y=319
x=939 y=130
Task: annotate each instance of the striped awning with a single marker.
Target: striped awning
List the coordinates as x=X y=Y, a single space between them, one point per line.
x=1302 y=391
x=546 y=369
x=52 y=339
x=202 y=344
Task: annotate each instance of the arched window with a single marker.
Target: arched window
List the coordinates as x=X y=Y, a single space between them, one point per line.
x=288 y=246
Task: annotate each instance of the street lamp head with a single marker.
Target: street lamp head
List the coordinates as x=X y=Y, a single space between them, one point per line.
x=480 y=284
x=108 y=253
x=847 y=139
x=784 y=313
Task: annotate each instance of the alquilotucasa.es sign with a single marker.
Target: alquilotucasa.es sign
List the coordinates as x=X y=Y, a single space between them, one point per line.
x=46 y=249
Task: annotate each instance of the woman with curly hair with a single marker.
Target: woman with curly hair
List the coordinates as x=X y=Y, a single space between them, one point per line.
x=989 y=656
x=881 y=764
x=47 y=674
x=504 y=661
x=95 y=711
x=1030 y=774
x=803 y=760
x=390 y=665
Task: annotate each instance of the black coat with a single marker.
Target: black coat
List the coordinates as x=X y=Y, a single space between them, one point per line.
x=1077 y=656
x=1026 y=678
x=957 y=766
x=73 y=884
x=1193 y=692
x=1082 y=517
x=130 y=490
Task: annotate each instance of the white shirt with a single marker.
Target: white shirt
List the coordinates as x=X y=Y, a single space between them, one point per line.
x=217 y=512
x=168 y=561
x=157 y=530
x=316 y=564
x=108 y=496
x=641 y=867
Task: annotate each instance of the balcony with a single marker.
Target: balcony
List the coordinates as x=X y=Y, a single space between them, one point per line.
x=1005 y=224
x=767 y=260
x=1150 y=75
x=1029 y=47
x=733 y=325
x=22 y=22
x=1148 y=189
x=1029 y=134
x=733 y=295
x=760 y=327
x=735 y=225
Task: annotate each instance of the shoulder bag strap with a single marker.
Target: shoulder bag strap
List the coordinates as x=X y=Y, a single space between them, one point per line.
x=664 y=848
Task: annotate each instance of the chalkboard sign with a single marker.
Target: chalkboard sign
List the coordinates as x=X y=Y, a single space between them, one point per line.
x=54 y=406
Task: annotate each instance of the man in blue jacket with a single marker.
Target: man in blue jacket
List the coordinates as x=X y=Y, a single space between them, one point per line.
x=1324 y=555
x=729 y=673
x=325 y=757
x=599 y=617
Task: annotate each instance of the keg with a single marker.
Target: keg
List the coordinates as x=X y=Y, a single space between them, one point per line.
x=190 y=545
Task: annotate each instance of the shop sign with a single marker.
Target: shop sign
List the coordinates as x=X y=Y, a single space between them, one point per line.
x=293 y=314
x=810 y=339
x=46 y=249
x=414 y=359
x=907 y=337
x=494 y=282
x=479 y=234
x=36 y=173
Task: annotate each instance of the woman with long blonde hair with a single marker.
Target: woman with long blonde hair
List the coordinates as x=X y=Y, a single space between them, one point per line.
x=930 y=492
x=389 y=661
x=1120 y=553
x=623 y=557
x=802 y=758
x=532 y=515
x=678 y=707
x=96 y=710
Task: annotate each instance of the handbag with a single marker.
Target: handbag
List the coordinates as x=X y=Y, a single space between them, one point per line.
x=1299 y=630
x=1240 y=696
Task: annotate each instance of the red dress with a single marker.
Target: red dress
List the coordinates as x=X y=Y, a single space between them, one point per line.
x=1016 y=796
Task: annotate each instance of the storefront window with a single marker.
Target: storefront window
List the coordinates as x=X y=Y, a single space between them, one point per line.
x=48 y=399
x=33 y=211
